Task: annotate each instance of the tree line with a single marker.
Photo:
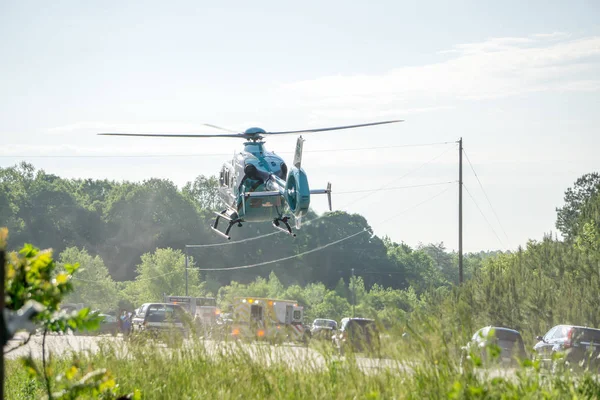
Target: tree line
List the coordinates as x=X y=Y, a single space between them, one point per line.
x=128 y=238
x=122 y=221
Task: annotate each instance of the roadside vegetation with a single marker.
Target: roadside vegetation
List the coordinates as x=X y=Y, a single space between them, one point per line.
x=126 y=238
x=228 y=370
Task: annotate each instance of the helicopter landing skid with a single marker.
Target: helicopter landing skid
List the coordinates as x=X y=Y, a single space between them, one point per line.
x=288 y=228
x=232 y=222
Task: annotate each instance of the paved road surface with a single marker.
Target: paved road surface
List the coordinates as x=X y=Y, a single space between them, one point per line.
x=293 y=356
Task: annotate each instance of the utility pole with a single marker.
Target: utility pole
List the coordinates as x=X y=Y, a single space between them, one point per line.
x=460 y=219
x=353 y=292
x=186 y=270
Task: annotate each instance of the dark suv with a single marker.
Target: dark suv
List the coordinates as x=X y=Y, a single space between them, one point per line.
x=159 y=319
x=509 y=341
x=580 y=344
x=357 y=335
x=323 y=328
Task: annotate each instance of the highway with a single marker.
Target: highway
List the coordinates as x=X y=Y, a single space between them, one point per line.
x=293 y=355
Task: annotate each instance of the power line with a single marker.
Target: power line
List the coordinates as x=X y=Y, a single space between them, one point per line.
x=377 y=147
x=214 y=154
x=299 y=254
x=384 y=187
x=418 y=204
x=285 y=258
x=289 y=257
x=234 y=242
x=395 y=187
x=483 y=215
x=314 y=220
x=487 y=198
x=400 y=178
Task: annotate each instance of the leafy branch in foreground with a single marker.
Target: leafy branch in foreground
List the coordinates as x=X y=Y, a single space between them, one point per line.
x=32 y=275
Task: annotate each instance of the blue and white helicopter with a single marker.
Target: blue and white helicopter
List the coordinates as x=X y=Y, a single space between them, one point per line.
x=256 y=185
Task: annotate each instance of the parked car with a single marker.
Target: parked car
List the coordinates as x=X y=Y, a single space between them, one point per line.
x=508 y=340
x=162 y=320
x=580 y=345
x=357 y=335
x=322 y=328
x=108 y=324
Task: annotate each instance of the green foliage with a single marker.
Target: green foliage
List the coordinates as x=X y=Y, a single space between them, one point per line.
x=160 y=273
x=576 y=198
x=74 y=382
x=31 y=275
x=204 y=192
x=427 y=370
x=121 y=221
x=93 y=285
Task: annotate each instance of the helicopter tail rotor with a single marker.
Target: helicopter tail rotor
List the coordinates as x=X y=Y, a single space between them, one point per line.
x=297 y=192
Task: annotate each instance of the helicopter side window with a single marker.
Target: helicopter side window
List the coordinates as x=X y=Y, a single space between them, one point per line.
x=283 y=171
x=225 y=176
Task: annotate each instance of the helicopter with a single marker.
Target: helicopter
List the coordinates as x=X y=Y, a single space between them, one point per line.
x=256 y=185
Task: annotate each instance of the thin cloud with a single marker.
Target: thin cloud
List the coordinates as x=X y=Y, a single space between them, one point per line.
x=495 y=68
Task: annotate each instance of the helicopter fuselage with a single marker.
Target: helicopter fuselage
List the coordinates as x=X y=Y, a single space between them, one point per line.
x=253 y=170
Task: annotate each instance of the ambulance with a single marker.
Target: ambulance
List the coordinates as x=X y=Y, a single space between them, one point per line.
x=273 y=320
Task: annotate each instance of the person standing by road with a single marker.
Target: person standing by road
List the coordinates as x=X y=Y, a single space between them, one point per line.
x=126 y=324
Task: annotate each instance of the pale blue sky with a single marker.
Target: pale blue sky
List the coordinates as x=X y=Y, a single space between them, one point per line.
x=518 y=81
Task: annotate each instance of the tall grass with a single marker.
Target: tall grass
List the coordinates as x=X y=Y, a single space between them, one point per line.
x=424 y=365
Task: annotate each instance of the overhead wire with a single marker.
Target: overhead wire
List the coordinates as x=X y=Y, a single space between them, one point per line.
x=398 y=179
x=483 y=215
x=320 y=247
x=396 y=187
x=214 y=154
x=249 y=266
x=418 y=204
x=487 y=198
x=322 y=215
x=313 y=220
x=285 y=258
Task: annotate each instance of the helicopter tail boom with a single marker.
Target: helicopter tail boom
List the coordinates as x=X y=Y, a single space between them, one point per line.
x=324 y=191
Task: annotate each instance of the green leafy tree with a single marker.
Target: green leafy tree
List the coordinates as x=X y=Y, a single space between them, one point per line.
x=204 y=191
x=32 y=275
x=418 y=268
x=143 y=217
x=567 y=218
x=42 y=209
x=93 y=285
x=332 y=306
x=445 y=262
x=163 y=272
x=276 y=289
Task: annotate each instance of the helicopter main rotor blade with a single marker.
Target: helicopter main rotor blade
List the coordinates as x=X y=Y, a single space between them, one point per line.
x=220 y=128
x=236 y=135
x=335 y=128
